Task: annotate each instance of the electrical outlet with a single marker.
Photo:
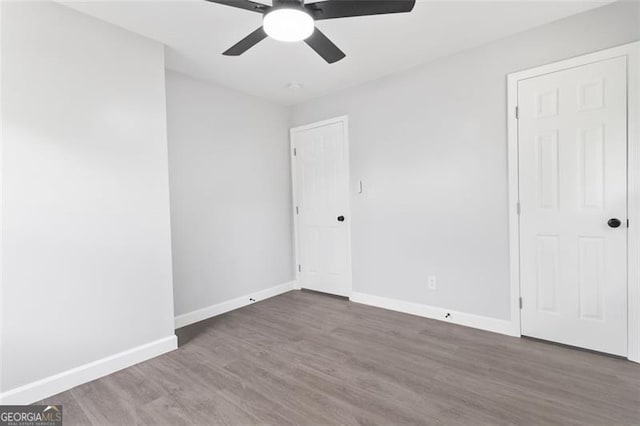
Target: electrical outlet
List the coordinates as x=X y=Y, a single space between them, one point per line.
x=431 y=282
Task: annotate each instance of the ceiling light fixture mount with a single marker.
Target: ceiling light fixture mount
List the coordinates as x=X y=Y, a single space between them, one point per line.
x=294 y=85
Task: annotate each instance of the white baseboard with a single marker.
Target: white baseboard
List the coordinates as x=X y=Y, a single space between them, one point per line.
x=66 y=380
x=470 y=320
x=230 y=305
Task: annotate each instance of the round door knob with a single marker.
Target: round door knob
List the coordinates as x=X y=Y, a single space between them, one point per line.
x=340 y=218
x=614 y=223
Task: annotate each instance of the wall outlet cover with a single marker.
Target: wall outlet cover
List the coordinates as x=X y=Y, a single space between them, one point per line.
x=431 y=282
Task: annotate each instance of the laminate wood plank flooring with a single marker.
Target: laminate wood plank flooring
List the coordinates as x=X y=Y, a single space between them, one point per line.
x=312 y=359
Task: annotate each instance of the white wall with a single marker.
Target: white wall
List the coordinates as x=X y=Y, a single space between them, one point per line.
x=85 y=210
x=430 y=145
x=230 y=193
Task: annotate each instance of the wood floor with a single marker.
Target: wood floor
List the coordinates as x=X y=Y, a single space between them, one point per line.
x=307 y=358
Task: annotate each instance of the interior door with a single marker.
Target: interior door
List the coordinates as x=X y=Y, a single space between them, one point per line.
x=321 y=169
x=573 y=194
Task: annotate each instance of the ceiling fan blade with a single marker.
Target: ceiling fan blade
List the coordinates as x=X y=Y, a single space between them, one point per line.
x=331 y=9
x=244 y=4
x=246 y=43
x=324 y=47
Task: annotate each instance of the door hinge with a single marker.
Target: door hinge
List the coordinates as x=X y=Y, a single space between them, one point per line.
x=299 y=268
x=517 y=113
x=520 y=302
x=518 y=208
x=295 y=152
x=297 y=210
x=627 y=223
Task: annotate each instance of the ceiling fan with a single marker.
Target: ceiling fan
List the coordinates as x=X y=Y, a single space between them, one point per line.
x=293 y=20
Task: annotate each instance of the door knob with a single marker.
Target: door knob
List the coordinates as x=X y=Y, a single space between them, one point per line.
x=614 y=223
x=340 y=218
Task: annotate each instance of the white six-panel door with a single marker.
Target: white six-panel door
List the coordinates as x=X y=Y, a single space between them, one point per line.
x=321 y=192
x=572 y=182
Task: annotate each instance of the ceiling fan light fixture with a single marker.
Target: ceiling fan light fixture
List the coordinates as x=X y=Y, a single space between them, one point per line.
x=288 y=24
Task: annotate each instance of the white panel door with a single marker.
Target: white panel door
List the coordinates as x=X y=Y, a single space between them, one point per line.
x=573 y=181
x=322 y=196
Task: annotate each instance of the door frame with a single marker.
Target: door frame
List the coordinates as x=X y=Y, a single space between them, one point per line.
x=632 y=52
x=344 y=119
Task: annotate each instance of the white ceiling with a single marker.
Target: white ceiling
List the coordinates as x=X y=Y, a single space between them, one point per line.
x=196 y=32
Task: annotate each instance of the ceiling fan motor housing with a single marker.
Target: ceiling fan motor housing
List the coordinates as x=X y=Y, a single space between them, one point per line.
x=288 y=3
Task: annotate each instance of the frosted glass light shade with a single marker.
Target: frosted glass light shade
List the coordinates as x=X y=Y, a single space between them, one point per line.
x=288 y=24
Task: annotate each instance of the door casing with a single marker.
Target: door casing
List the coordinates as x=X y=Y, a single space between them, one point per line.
x=296 y=236
x=632 y=52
